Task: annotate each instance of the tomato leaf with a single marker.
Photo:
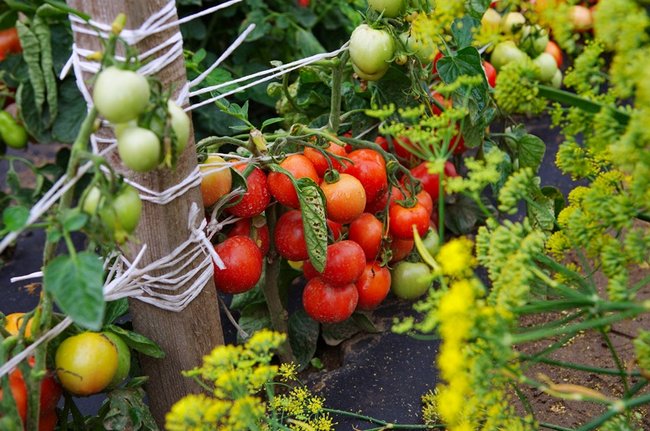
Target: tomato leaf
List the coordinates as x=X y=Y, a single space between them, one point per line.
x=253 y=318
x=559 y=202
x=307 y=43
x=250 y=297
x=138 y=342
x=462 y=30
x=31 y=53
x=462 y=215
x=530 y=151
x=76 y=284
x=314 y=221
x=125 y=409
x=303 y=337
x=68 y=122
x=15 y=218
x=115 y=310
x=335 y=333
x=42 y=32
x=73 y=219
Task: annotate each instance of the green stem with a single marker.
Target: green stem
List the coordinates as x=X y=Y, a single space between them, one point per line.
x=335 y=101
x=571 y=99
x=557 y=305
x=279 y=315
x=553 y=427
x=617 y=360
x=575 y=328
x=636 y=388
x=579 y=367
x=384 y=424
x=643 y=216
x=615 y=409
x=558 y=267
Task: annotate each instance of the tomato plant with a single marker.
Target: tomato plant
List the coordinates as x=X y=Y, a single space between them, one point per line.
x=86 y=363
x=243 y=264
x=345 y=198
x=216 y=179
x=123 y=214
x=326 y=303
x=344 y=264
x=388 y=8
x=431 y=181
x=123 y=359
x=506 y=52
x=180 y=124
x=257 y=196
x=367 y=231
x=120 y=95
x=402 y=219
x=373 y=285
x=410 y=280
x=320 y=161
x=280 y=184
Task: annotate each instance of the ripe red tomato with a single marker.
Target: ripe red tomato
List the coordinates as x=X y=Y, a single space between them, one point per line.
x=303 y=3
x=281 y=186
x=320 y=161
x=402 y=219
x=424 y=198
x=345 y=263
x=490 y=73
x=9 y=42
x=457 y=143
x=289 y=236
x=259 y=234
x=243 y=260
x=553 y=49
x=345 y=198
x=369 y=167
x=431 y=182
x=438 y=56
x=442 y=100
x=256 y=198
x=380 y=202
x=329 y=304
x=400 y=248
x=367 y=231
x=373 y=286
x=336 y=229
x=382 y=142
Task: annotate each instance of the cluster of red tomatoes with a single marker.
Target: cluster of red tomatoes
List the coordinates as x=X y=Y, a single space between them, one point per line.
x=370 y=223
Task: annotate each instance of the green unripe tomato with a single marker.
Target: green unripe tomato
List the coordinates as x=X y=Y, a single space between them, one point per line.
x=410 y=280
x=390 y=8
x=512 y=22
x=369 y=76
x=86 y=363
x=491 y=19
x=547 y=66
x=121 y=217
x=431 y=242
x=92 y=200
x=424 y=52
x=118 y=128
x=12 y=133
x=123 y=359
x=139 y=149
x=506 y=52
x=533 y=40
x=180 y=124
x=371 y=50
x=120 y=95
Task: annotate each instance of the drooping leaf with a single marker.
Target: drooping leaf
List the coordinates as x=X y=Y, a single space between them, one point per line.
x=335 y=333
x=32 y=55
x=76 y=284
x=307 y=43
x=250 y=297
x=72 y=112
x=303 y=337
x=530 y=151
x=138 y=342
x=312 y=205
x=126 y=410
x=73 y=219
x=115 y=310
x=542 y=215
x=42 y=32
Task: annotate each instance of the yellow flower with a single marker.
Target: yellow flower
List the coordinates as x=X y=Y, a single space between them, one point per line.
x=288 y=371
x=450 y=404
x=264 y=341
x=456 y=257
x=196 y=413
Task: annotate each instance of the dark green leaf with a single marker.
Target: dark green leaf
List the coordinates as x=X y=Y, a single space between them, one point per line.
x=335 y=333
x=303 y=337
x=115 y=310
x=250 y=297
x=462 y=215
x=72 y=113
x=478 y=7
x=364 y=323
x=307 y=43
x=128 y=411
x=312 y=205
x=32 y=55
x=74 y=219
x=77 y=287
x=138 y=342
x=462 y=31
x=466 y=61
x=253 y=318
x=271 y=121
x=542 y=215
x=15 y=218
x=559 y=202
x=530 y=151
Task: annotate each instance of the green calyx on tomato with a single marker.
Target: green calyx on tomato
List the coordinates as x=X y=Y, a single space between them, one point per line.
x=512 y=22
x=12 y=133
x=120 y=95
x=410 y=280
x=371 y=50
x=123 y=359
x=533 y=40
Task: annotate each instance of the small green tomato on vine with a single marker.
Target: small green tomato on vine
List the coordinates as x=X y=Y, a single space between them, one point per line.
x=371 y=51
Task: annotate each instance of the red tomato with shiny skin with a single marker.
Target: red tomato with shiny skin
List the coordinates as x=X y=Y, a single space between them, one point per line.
x=345 y=198
x=382 y=142
x=320 y=161
x=442 y=100
x=400 y=248
x=402 y=220
x=243 y=260
x=438 y=56
x=345 y=263
x=379 y=204
x=425 y=199
x=431 y=182
x=256 y=198
x=490 y=73
x=9 y=42
x=369 y=167
x=367 y=231
x=457 y=143
x=326 y=303
x=259 y=235
x=373 y=286
x=281 y=186
x=289 y=236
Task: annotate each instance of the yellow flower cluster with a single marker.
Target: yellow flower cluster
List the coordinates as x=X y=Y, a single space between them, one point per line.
x=433 y=28
x=456 y=257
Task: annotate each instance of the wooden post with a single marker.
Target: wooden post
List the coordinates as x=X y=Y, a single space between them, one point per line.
x=189 y=335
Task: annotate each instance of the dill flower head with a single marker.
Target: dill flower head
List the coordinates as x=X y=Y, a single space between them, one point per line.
x=516 y=90
x=456 y=257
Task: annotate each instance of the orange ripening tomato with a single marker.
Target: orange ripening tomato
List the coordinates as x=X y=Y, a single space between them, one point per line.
x=217 y=179
x=555 y=51
x=14 y=321
x=9 y=42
